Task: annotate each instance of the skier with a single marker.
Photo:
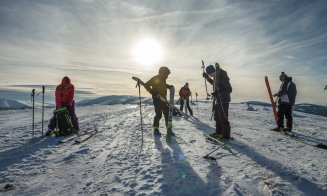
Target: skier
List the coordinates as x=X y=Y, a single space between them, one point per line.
x=286 y=99
x=64 y=98
x=185 y=94
x=221 y=94
x=157 y=86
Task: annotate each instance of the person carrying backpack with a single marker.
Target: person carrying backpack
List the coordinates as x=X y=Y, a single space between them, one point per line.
x=64 y=103
x=286 y=99
x=185 y=94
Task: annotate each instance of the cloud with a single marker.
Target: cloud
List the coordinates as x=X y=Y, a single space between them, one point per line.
x=40 y=41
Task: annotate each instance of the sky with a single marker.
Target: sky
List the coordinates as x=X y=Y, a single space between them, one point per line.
x=92 y=42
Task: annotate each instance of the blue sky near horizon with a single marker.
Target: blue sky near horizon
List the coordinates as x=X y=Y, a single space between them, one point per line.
x=91 y=41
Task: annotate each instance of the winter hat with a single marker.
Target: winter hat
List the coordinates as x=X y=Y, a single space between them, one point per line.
x=186 y=84
x=164 y=70
x=282 y=75
x=65 y=80
x=210 y=69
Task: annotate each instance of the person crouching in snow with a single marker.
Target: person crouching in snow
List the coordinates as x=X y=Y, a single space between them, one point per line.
x=286 y=99
x=185 y=94
x=222 y=91
x=157 y=86
x=65 y=98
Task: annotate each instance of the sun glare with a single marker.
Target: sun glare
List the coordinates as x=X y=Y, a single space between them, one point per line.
x=147 y=52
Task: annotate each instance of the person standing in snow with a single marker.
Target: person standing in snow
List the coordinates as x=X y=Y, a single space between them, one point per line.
x=185 y=94
x=286 y=99
x=221 y=94
x=65 y=98
x=157 y=86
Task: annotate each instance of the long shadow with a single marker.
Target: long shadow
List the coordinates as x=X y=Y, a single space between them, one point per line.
x=15 y=155
x=179 y=176
x=302 y=184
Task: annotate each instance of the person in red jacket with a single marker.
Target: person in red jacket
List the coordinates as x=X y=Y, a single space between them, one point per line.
x=65 y=98
x=185 y=94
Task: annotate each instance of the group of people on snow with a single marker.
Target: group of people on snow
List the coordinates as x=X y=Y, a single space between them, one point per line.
x=222 y=89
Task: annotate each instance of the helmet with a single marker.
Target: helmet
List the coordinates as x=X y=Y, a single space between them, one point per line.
x=210 y=69
x=164 y=70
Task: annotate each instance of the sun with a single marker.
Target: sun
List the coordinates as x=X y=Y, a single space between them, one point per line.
x=147 y=52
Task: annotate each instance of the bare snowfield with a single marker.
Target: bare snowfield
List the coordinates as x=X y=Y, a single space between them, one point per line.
x=113 y=163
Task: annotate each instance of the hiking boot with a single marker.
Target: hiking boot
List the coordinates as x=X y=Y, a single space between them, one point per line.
x=156 y=132
x=287 y=129
x=49 y=132
x=216 y=135
x=278 y=129
x=171 y=133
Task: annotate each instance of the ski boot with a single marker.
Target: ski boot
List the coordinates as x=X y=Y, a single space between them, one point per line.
x=156 y=131
x=278 y=129
x=216 y=135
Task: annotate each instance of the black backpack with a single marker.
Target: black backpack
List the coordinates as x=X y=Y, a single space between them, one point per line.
x=64 y=124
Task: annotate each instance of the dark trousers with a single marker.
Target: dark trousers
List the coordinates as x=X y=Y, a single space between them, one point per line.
x=221 y=118
x=71 y=111
x=187 y=105
x=285 y=110
x=160 y=108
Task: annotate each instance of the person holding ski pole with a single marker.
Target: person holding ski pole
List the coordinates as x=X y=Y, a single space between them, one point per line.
x=185 y=94
x=157 y=86
x=65 y=99
x=285 y=99
x=221 y=94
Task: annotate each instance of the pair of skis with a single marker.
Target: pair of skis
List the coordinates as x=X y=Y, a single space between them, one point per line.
x=80 y=137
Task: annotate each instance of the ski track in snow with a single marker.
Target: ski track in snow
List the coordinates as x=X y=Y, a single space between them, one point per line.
x=113 y=163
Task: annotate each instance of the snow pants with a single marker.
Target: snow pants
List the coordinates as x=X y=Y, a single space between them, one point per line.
x=285 y=110
x=187 y=105
x=221 y=118
x=160 y=108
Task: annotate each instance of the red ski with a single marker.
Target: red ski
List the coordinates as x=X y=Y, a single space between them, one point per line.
x=273 y=103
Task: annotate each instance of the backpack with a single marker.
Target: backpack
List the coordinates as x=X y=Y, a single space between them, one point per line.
x=64 y=124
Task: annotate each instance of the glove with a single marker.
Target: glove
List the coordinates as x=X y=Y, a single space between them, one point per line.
x=169 y=86
x=275 y=95
x=204 y=75
x=215 y=94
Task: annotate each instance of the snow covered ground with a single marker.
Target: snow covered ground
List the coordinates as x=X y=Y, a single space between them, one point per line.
x=113 y=163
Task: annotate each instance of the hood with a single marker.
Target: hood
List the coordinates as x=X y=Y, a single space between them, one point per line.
x=65 y=81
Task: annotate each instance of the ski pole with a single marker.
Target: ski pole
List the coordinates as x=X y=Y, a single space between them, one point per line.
x=32 y=97
x=197 y=104
x=139 y=86
x=205 y=82
x=43 y=90
x=207 y=156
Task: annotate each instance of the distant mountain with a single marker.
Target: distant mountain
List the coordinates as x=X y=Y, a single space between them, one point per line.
x=8 y=104
x=303 y=107
x=114 y=99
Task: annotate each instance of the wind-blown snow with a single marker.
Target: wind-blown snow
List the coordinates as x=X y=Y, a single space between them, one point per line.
x=113 y=163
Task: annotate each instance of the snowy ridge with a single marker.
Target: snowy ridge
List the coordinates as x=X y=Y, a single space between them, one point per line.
x=112 y=163
x=8 y=104
x=114 y=99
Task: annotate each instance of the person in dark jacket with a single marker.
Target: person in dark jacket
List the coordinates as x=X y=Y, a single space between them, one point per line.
x=65 y=98
x=185 y=94
x=157 y=86
x=286 y=99
x=221 y=94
